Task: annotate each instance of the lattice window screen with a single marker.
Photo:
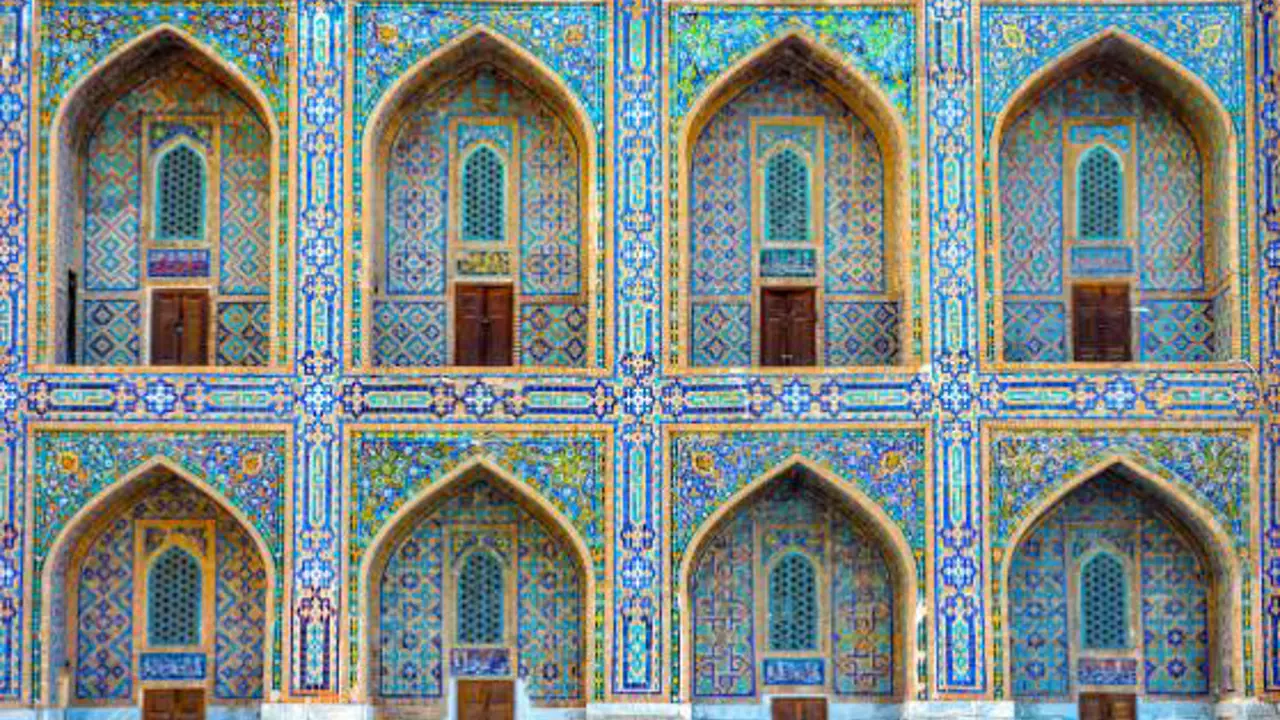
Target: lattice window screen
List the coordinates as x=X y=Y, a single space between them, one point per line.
x=480 y=600
x=793 y=604
x=173 y=600
x=180 y=195
x=1100 y=198
x=1104 y=603
x=483 y=197
x=786 y=198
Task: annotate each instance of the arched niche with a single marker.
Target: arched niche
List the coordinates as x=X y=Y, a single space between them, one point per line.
x=1164 y=537
x=479 y=89
x=98 y=565
x=865 y=146
x=473 y=495
x=1179 y=265
x=106 y=261
x=868 y=533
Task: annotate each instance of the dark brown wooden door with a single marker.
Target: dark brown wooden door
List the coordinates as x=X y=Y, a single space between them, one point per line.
x=788 y=327
x=1101 y=318
x=799 y=709
x=483 y=325
x=180 y=327
x=173 y=704
x=485 y=700
x=1106 y=706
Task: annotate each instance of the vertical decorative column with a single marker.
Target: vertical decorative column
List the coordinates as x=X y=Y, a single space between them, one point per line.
x=1267 y=191
x=16 y=618
x=317 y=506
x=950 y=153
x=639 y=643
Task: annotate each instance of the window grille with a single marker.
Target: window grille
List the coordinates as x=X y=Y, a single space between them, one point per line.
x=1100 y=197
x=793 y=604
x=786 y=198
x=180 y=195
x=480 y=600
x=173 y=600
x=483 y=196
x=1104 y=602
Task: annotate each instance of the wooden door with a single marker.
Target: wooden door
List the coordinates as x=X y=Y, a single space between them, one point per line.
x=180 y=327
x=173 y=704
x=1108 y=706
x=788 y=327
x=485 y=700
x=483 y=325
x=1101 y=323
x=799 y=709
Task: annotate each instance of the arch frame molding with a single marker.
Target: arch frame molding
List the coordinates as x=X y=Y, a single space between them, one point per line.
x=864 y=97
x=907 y=571
x=1231 y=563
x=60 y=557
x=1210 y=124
x=98 y=87
x=361 y=572
x=480 y=44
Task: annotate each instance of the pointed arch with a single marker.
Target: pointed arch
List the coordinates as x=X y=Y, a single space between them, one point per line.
x=401 y=523
x=90 y=518
x=864 y=97
x=897 y=551
x=477 y=46
x=1199 y=108
x=1211 y=542
x=78 y=113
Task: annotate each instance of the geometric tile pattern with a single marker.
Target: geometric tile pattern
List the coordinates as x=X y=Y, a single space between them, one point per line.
x=721 y=334
x=409 y=334
x=1177 y=331
x=1107 y=514
x=1035 y=331
x=861 y=333
x=553 y=335
x=111 y=332
x=104 y=644
x=245 y=249
x=241 y=601
x=243 y=333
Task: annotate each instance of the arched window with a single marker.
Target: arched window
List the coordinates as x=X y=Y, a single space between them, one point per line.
x=786 y=198
x=1104 y=604
x=173 y=600
x=793 y=604
x=480 y=600
x=180 y=194
x=1100 y=195
x=483 y=196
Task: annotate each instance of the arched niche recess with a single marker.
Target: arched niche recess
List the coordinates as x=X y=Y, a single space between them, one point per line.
x=1183 y=578
x=488 y=510
x=1169 y=283
x=863 y=554
x=427 y=281
x=852 y=266
x=116 y=279
x=97 y=648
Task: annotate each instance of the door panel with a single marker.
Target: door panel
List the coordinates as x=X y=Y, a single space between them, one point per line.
x=173 y=704
x=788 y=327
x=180 y=327
x=799 y=709
x=486 y=700
x=483 y=325
x=1108 y=706
x=1101 y=321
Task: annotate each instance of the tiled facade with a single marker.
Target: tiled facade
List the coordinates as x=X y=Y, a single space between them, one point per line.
x=631 y=467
